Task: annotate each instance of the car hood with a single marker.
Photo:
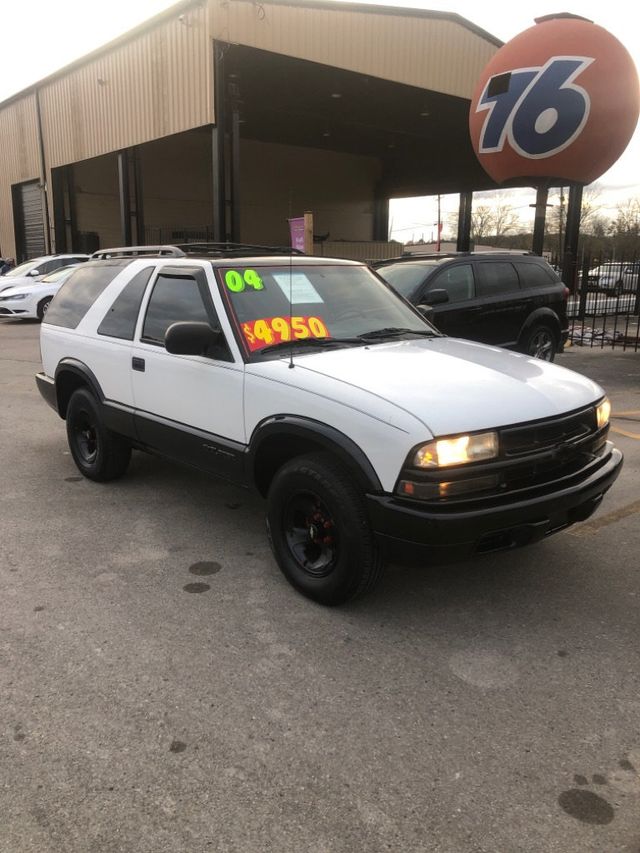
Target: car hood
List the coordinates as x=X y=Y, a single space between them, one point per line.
x=16 y=284
x=453 y=385
x=20 y=288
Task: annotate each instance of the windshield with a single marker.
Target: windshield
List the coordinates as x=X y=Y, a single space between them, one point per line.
x=336 y=302
x=62 y=273
x=23 y=269
x=405 y=278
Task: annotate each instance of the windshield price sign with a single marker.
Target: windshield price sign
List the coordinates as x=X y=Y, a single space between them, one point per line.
x=272 y=330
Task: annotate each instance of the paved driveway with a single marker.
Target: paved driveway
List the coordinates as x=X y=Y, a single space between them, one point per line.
x=163 y=689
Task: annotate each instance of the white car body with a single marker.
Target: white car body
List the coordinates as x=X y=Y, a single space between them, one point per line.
x=373 y=404
x=29 y=300
x=615 y=277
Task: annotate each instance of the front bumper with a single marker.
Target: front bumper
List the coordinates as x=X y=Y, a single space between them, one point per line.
x=6 y=311
x=409 y=532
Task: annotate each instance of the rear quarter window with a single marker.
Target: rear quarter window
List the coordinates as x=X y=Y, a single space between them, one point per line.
x=78 y=294
x=120 y=319
x=536 y=275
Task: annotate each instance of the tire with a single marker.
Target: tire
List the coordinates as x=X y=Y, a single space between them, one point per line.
x=540 y=342
x=319 y=530
x=99 y=454
x=42 y=307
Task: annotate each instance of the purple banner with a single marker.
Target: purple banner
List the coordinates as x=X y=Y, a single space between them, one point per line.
x=296 y=227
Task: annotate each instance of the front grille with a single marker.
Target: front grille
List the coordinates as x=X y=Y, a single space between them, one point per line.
x=532 y=457
x=543 y=435
x=5 y=311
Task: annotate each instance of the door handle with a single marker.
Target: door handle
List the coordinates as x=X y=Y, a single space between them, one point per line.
x=138 y=364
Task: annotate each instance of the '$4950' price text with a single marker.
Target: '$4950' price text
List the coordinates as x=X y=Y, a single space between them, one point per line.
x=272 y=330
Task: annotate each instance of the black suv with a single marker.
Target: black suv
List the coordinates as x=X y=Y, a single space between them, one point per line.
x=510 y=300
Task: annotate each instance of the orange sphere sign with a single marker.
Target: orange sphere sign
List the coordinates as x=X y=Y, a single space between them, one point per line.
x=558 y=102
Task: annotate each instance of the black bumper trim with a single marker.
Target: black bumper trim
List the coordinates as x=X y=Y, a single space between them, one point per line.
x=411 y=533
x=47 y=388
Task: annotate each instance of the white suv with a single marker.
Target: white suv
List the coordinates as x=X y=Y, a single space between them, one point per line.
x=370 y=434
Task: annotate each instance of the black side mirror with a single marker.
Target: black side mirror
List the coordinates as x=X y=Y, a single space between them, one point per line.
x=436 y=297
x=191 y=339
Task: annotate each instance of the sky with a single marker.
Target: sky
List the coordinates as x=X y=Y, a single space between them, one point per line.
x=41 y=37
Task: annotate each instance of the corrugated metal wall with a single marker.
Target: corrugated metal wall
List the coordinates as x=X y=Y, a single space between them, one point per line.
x=431 y=53
x=154 y=85
x=160 y=81
x=20 y=161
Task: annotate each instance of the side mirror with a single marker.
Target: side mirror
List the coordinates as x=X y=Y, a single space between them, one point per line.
x=191 y=339
x=33 y=273
x=437 y=296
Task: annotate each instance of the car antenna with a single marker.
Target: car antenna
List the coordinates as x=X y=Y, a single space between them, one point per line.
x=291 y=364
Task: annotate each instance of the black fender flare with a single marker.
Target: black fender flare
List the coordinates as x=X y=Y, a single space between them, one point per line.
x=296 y=427
x=541 y=316
x=83 y=373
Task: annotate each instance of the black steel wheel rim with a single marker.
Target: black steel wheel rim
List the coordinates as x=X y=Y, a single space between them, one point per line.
x=311 y=534
x=85 y=438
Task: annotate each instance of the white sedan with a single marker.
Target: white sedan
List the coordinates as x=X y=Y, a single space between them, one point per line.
x=30 y=301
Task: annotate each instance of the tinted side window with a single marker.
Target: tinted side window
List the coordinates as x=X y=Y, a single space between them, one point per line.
x=497 y=277
x=534 y=275
x=178 y=299
x=78 y=294
x=50 y=266
x=120 y=319
x=457 y=281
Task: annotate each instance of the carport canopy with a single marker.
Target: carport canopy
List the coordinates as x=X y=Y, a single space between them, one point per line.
x=419 y=136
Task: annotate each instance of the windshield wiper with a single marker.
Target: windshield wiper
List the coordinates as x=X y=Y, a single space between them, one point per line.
x=395 y=331
x=310 y=342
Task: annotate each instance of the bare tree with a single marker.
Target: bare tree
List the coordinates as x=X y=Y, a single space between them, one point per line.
x=627 y=222
x=599 y=226
x=481 y=222
x=505 y=219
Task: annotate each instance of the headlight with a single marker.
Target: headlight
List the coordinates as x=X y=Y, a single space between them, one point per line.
x=603 y=413
x=458 y=450
x=10 y=298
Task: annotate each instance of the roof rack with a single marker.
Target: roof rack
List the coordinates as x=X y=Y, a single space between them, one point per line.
x=137 y=251
x=204 y=249
x=229 y=250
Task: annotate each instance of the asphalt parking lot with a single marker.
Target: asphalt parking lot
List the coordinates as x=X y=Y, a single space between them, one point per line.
x=164 y=689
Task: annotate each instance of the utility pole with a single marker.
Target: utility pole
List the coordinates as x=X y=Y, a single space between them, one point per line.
x=560 y=226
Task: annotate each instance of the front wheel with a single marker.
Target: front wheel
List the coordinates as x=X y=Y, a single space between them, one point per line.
x=319 y=530
x=540 y=342
x=100 y=454
x=43 y=306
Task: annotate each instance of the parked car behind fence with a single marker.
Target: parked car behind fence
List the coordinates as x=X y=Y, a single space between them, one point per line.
x=510 y=300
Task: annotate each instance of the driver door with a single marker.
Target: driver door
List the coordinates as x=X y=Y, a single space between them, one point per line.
x=189 y=408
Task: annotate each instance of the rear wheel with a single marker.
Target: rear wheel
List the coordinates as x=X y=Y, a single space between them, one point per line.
x=319 y=530
x=540 y=342
x=42 y=307
x=99 y=453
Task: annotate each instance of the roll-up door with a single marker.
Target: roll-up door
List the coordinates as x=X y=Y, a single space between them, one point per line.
x=29 y=220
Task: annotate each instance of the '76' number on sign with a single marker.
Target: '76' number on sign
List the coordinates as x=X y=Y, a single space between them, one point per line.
x=539 y=110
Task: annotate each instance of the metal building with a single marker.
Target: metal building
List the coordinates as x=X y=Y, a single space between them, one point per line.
x=220 y=119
